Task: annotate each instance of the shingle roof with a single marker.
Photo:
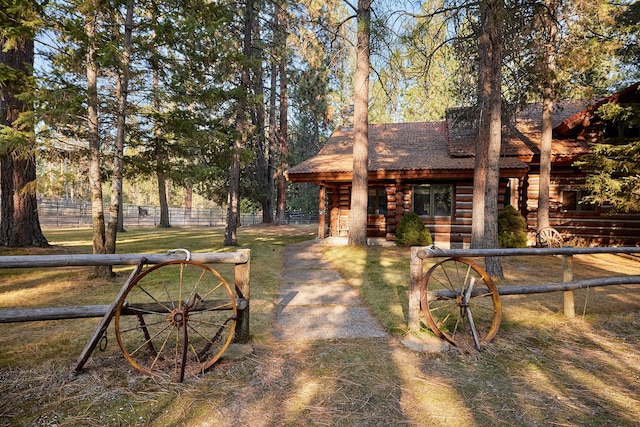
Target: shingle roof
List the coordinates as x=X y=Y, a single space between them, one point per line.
x=393 y=147
x=449 y=145
x=628 y=94
x=522 y=137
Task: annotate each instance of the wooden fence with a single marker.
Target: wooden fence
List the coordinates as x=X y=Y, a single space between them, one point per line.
x=567 y=285
x=241 y=260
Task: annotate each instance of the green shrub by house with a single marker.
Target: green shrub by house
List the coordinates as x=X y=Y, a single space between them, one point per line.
x=512 y=229
x=412 y=232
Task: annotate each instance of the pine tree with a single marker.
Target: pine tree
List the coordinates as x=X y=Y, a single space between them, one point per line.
x=359 y=187
x=19 y=222
x=484 y=230
x=613 y=168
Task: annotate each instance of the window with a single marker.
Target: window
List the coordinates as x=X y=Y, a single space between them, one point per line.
x=432 y=199
x=377 y=202
x=572 y=200
x=622 y=131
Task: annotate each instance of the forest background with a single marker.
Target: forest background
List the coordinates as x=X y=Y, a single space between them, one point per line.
x=196 y=103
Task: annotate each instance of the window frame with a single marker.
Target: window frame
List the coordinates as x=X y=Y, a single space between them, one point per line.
x=433 y=199
x=578 y=196
x=380 y=203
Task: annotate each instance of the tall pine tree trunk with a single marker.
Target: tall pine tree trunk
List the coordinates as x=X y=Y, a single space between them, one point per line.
x=159 y=150
x=264 y=164
x=19 y=221
x=487 y=167
x=282 y=132
x=359 y=190
x=93 y=131
x=122 y=90
x=273 y=134
x=233 y=207
x=547 y=59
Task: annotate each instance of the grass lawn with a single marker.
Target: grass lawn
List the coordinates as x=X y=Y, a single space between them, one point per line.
x=542 y=368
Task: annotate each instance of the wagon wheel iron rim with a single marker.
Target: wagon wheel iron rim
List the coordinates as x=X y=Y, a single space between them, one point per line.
x=445 y=308
x=549 y=237
x=176 y=319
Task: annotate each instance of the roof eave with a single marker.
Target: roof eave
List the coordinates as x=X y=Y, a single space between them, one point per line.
x=396 y=175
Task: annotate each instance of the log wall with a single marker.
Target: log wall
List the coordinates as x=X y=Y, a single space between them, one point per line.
x=582 y=226
x=447 y=232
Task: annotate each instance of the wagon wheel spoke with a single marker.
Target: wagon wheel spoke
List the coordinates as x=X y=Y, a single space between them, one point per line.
x=193 y=319
x=549 y=237
x=450 y=291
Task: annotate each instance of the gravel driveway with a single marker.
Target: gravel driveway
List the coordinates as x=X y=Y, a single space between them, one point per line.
x=315 y=302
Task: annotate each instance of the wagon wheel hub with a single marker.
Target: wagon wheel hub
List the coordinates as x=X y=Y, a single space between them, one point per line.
x=178 y=317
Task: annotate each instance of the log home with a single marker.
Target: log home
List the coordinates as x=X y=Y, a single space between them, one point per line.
x=428 y=168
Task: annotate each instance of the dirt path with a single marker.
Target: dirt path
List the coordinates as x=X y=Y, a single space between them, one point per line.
x=316 y=303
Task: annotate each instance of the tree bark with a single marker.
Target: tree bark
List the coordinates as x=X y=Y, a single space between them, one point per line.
x=542 y=214
x=163 y=189
x=273 y=137
x=20 y=224
x=264 y=160
x=233 y=208
x=122 y=91
x=282 y=132
x=359 y=189
x=95 y=178
x=19 y=221
x=487 y=167
x=547 y=58
x=188 y=197
x=159 y=150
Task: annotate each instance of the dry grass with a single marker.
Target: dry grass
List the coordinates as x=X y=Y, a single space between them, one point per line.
x=542 y=369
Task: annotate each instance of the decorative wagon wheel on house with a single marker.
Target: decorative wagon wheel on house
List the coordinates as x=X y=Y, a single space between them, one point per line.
x=549 y=237
x=461 y=303
x=175 y=319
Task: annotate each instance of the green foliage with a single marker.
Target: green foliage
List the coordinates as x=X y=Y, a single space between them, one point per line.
x=412 y=232
x=628 y=24
x=18 y=22
x=613 y=168
x=181 y=96
x=11 y=138
x=302 y=197
x=624 y=114
x=512 y=228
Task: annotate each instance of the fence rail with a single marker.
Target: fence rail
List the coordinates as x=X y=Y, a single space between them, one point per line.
x=240 y=258
x=70 y=214
x=78 y=214
x=566 y=284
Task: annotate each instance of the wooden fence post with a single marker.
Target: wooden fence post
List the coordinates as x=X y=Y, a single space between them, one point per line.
x=414 y=291
x=242 y=278
x=567 y=276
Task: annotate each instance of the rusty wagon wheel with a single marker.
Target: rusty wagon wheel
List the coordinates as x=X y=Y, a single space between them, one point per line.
x=176 y=319
x=461 y=303
x=549 y=237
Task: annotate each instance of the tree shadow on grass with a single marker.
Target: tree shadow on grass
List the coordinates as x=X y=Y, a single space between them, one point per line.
x=546 y=369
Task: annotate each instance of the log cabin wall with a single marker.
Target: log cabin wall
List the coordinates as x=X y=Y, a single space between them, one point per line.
x=339 y=197
x=392 y=210
x=447 y=232
x=579 y=224
x=450 y=232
